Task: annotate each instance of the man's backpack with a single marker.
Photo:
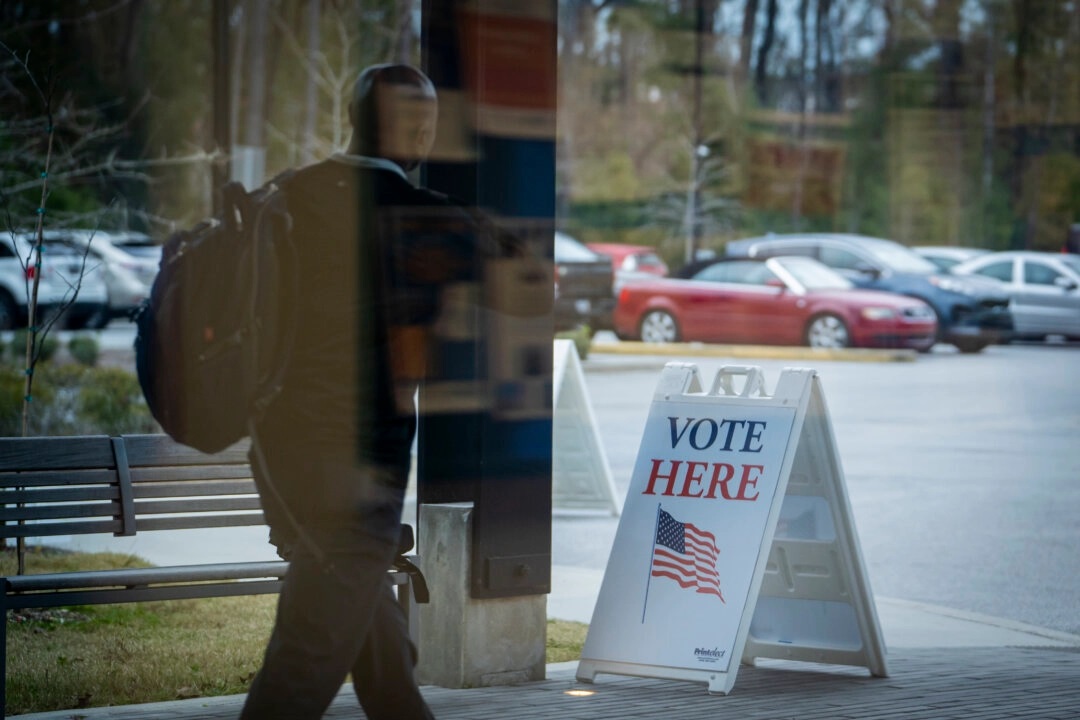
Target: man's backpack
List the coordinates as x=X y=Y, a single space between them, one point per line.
x=214 y=337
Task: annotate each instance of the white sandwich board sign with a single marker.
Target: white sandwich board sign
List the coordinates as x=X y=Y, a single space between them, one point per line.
x=736 y=540
x=582 y=483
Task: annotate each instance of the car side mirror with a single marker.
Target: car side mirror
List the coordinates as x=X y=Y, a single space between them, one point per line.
x=1066 y=284
x=776 y=283
x=868 y=270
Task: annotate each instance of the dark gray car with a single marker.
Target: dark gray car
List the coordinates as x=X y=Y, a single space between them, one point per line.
x=583 y=286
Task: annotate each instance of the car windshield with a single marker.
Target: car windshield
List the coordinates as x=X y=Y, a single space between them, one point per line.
x=812 y=275
x=900 y=259
x=1072 y=262
x=53 y=248
x=140 y=249
x=50 y=248
x=569 y=250
x=646 y=260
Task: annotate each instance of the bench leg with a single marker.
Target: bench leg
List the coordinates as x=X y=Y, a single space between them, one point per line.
x=409 y=608
x=3 y=666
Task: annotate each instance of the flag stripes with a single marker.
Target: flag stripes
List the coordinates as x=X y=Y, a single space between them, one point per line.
x=687 y=555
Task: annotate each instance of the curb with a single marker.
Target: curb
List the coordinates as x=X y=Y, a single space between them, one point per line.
x=1052 y=636
x=766 y=352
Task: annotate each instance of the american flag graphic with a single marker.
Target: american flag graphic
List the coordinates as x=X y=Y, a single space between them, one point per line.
x=686 y=555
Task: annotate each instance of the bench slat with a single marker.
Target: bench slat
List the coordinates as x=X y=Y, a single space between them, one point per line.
x=224 y=504
x=10 y=513
x=106 y=596
x=127 y=577
x=155 y=450
x=60 y=495
x=189 y=473
x=141 y=593
x=55 y=453
x=195 y=488
x=190 y=522
x=148 y=576
x=51 y=529
x=97 y=476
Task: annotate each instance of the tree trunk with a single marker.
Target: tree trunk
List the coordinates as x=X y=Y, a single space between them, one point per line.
x=989 y=91
x=1023 y=39
x=951 y=65
x=255 y=112
x=746 y=41
x=311 y=93
x=406 y=38
x=251 y=151
x=761 y=71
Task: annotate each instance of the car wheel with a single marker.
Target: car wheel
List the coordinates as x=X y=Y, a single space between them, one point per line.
x=98 y=319
x=658 y=326
x=827 y=331
x=9 y=312
x=941 y=329
x=969 y=346
x=68 y=320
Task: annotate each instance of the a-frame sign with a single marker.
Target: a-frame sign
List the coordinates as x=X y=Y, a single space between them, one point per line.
x=736 y=540
x=581 y=479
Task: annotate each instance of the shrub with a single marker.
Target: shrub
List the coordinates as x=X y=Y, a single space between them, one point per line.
x=72 y=399
x=58 y=416
x=12 y=389
x=111 y=402
x=582 y=337
x=85 y=349
x=48 y=346
x=11 y=394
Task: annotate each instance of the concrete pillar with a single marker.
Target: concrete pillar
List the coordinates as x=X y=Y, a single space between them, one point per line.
x=465 y=642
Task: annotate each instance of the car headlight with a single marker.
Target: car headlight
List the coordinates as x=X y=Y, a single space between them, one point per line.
x=950 y=284
x=878 y=313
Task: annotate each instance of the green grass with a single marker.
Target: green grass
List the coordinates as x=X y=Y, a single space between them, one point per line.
x=149 y=652
x=565 y=640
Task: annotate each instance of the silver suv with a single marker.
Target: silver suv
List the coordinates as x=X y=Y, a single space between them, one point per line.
x=61 y=267
x=126 y=262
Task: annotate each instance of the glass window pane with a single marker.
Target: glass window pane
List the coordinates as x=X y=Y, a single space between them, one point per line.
x=1037 y=273
x=998 y=270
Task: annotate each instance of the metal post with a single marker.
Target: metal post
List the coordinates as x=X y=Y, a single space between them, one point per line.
x=500 y=464
x=221 y=101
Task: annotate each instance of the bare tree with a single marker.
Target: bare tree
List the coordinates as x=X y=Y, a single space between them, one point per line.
x=311 y=89
x=327 y=58
x=52 y=143
x=761 y=69
x=746 y=40
x=38 y=328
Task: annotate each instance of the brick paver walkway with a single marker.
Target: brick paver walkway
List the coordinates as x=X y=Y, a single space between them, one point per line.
x=925 y=684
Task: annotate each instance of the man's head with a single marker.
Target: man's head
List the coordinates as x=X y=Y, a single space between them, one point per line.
x=393 y=112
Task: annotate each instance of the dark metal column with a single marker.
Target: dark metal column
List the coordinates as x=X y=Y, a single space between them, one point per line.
x=501 y=464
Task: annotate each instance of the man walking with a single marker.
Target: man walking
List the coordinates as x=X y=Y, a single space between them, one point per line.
x=374 y=256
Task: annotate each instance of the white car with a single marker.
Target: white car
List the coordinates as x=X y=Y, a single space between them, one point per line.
x=946 y=257
x=1044 y=287
x=61 y=268
x=126 y=262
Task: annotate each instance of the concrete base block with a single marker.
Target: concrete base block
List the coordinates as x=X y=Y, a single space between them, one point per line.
x=465 y=642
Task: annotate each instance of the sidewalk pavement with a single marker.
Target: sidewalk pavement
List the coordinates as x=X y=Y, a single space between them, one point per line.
x=943 y=664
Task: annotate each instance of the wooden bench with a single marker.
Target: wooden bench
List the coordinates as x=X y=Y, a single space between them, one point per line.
x=64 y=486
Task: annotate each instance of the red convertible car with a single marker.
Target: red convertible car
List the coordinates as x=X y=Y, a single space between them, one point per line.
x=779 y=301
